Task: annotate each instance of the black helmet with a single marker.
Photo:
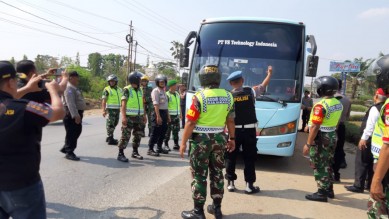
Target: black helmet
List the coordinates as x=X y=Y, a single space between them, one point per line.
x=160 y=78
x=134 y=77
x=209 y=75
x=326 y=86
x=112 y=77
x=380 y=68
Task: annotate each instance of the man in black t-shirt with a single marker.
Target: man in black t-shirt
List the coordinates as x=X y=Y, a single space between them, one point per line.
x=21 y=123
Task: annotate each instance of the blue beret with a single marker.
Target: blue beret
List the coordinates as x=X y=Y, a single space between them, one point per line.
x=234 y=75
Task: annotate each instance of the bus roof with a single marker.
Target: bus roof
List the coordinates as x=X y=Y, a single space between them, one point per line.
x=250 y=19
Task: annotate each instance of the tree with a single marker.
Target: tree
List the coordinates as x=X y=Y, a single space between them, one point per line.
x=66 y=61
x=77 y=63
x=44 y=62
x=12 y=61
x=112 y=63
x=167 y=69
x=176 y=50
x=25 y=57
x=95 y=62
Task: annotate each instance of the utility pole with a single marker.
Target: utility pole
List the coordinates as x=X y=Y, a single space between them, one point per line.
x=136 y=45
x=129 y=39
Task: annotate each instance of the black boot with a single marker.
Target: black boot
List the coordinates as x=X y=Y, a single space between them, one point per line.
x=136 y=155
x=176 y=145
x=121 y=157
x=196 y=213
x=330 y=192
x=215 y=209
x=161 y=150
x=151 y=152
x=319 y=196
x=166 y=148
x=112 y=141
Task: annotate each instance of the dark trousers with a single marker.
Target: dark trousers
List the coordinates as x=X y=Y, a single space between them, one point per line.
x=245 y=137
x=158 y=131
x=183 y=113
x=73 y=131
x=28 y=202
x=364 y=167
x=305 y=117
x=339 y=156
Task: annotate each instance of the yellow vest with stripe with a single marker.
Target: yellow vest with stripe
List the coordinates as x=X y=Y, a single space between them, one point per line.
x=376 y=139
x=114 y=97
x=134 y=104
x=333 y=108
x=173 y=103
x=215 y=104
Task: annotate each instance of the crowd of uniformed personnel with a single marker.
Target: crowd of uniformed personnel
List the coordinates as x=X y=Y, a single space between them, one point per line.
x=211 y=149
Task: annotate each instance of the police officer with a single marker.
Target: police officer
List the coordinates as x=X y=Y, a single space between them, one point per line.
x=74 y=103
x=175 y=115
x=211 y=109
x=379 y=191
x=245 y=131
x=148 y=102
x=133 y=116
x=321 y=140
x=159 y=117
x=21 y=122
x=111 y=99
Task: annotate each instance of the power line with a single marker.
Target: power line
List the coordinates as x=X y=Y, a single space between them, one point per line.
x=75 y=31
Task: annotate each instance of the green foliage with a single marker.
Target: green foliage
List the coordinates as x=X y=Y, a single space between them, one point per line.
x=44 y=62
x=12 y=60
x=353 y=134
x=92 y=86
x=95 y=62
x=356 y=118
x=358 y=108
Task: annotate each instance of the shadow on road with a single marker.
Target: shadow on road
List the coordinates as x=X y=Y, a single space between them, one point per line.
x=57 y=210
x=256 y=216
x=109 y=162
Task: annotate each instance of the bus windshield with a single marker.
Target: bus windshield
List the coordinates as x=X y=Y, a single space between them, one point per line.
x=251 y=47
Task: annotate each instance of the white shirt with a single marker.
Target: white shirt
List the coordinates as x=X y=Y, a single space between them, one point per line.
x=370 y=123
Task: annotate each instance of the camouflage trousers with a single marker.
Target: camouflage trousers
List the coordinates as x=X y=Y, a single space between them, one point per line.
x=112 y=121
x=173 y=126
x=135 y=125
x=207 y=152
x=322 y=156
x=379 y=209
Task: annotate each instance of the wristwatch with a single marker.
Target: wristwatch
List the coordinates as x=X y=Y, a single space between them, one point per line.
x=232 y=138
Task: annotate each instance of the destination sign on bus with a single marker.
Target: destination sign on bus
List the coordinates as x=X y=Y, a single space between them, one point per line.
x=246 y=43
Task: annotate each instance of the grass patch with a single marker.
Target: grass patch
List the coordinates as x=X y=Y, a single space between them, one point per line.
x=353 y=134
x=357 y=118
x=358 y=108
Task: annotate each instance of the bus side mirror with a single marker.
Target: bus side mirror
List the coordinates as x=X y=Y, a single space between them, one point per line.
x=184 y=78
x=312 y=63
x=184 y=57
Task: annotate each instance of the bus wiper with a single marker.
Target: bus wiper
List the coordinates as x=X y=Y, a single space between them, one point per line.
x=283 y=103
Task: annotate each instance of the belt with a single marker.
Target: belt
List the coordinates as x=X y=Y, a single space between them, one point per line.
x=252 y=125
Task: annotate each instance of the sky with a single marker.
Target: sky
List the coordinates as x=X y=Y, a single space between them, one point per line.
x=344 y=29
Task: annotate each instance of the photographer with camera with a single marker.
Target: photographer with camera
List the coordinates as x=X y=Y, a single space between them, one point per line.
x=26 y=70
x=21 y=122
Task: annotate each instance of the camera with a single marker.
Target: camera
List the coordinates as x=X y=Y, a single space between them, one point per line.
x=42 y=84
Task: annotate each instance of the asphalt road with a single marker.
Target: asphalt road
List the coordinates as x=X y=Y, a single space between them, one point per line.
x=99 y=186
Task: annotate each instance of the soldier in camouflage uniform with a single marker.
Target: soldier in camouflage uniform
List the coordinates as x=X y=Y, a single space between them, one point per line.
x=378 y=205
x=111 y=99
x=211 y=109
x=175 y=115
x=148 y=103
x=133 y=117
x=322 y=138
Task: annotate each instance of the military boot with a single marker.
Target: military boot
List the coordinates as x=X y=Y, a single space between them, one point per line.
x=330 y=192
x=215 y=209
x=319 y=196
x=166 y=148
x=231 y=186
x=176 y=145
x=196 y=213
x=136 y=155
x=122 y=157
x=151 y=152
x=112 y=141
x=161 y=150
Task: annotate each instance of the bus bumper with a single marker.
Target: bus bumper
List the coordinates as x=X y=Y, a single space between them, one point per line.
x=279 y=145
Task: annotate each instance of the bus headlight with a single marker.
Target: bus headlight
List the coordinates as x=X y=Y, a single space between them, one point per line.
x=284 y=129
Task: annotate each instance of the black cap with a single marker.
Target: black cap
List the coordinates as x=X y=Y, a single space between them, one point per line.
x=7 y=70
x=73 y=74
